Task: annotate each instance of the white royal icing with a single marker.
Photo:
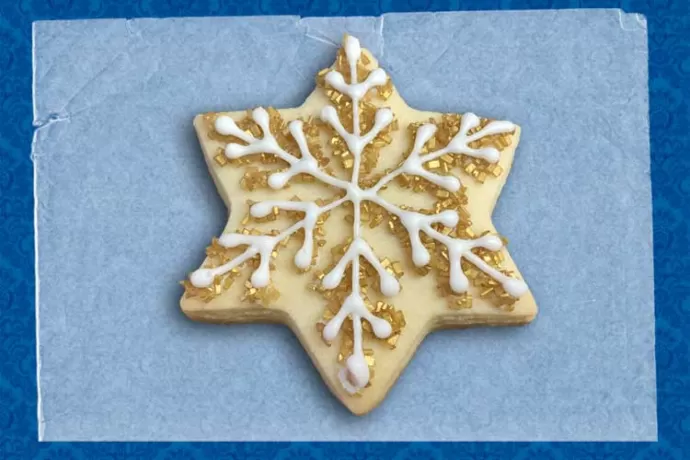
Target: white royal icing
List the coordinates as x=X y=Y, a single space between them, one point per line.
x=355 y=374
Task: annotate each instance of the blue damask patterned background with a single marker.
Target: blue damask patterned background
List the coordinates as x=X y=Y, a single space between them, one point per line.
x=669 y=60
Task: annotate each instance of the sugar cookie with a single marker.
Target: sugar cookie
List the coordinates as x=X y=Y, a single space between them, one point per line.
x=360 y=223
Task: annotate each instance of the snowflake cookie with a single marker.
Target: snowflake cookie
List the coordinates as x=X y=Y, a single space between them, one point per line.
x=360 y=223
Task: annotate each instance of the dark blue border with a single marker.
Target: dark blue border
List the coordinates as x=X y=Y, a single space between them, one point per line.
x=669 y=47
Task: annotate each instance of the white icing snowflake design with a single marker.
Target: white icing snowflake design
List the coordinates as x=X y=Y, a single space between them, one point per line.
x=356 y=374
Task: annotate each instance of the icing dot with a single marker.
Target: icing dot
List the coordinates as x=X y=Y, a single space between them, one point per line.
x=352 y=49
x=424 y=133
x=489 y=154
x=328 y=113
x=260 y=116
x=233 y=151
x=330 y=331
x=331 y=280
x=450 y=183
x=229 y=240
x=225 y=125
x=357 y=371
x=449 y=218
x=302 y=259
x=383 y=116
x=261 y=209
x=459 y=282
x=260 y=278
x=389 y=286
x=347 y=386
x=420 y=256
x=469 y=121
x=515 y=287
x=278 y=180
x=491 y=242
x=295 y=127
x=382 y=328
x=202 y=278
x=377 y=77
x=335 y=79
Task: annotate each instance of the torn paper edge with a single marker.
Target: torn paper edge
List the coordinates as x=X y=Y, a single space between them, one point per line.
x=630 y=22
x=39 y=398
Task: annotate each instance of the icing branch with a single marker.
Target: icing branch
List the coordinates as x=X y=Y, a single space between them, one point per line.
x=360 y=248
x=355 y=142
x=377 y=77
x=459 y=145
x=267 y=144
x=307 y=164
x=264 y=245
x=311 y=212
x=355 y=375
x=458 y=248
x=460 y=142
x=415 y=222
x=356 y=91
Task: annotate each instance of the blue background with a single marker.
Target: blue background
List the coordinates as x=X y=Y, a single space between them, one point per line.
x=668 y=25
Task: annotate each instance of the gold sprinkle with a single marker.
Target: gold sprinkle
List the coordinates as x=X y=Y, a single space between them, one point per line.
x=221 y=159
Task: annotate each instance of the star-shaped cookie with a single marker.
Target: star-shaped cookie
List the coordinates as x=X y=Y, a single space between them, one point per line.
x=359 y=222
